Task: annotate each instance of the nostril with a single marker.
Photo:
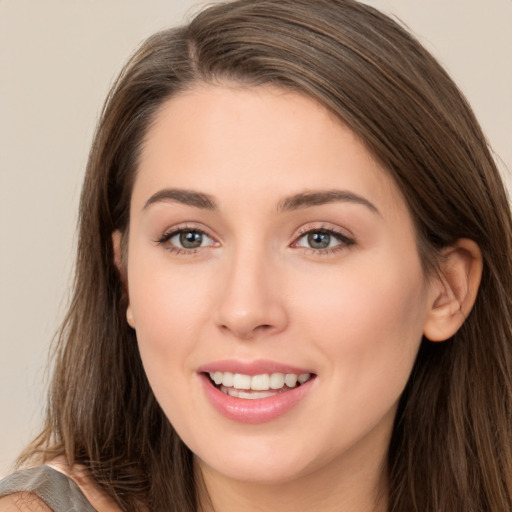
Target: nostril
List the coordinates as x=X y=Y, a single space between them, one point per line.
x=263 y=327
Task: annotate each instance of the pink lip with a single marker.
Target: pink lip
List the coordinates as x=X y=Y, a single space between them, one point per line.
x=256 y=367
x=258 y=410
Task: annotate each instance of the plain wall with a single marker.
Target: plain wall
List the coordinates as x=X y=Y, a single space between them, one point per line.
x=57 y=60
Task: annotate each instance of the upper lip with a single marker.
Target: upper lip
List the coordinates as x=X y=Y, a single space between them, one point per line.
x=255 y=367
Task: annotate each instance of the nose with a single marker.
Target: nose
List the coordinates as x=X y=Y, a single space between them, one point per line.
x=252 y=303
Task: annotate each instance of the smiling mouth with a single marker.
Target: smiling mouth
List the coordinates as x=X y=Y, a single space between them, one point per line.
x=254 y=387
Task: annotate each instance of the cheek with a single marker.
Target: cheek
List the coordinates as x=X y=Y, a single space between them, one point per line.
x=165 y=309
x=162 y=307
x=370 y=318
x=368 y=327
x=165 y=296
x=170 y=307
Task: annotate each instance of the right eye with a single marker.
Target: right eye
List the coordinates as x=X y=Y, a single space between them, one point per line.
x=184 y=239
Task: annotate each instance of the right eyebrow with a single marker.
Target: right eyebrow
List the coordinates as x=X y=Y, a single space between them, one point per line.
x=188 y=197
x=308 y=199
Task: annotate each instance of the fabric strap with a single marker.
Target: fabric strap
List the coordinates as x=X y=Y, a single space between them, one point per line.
x=57 y=490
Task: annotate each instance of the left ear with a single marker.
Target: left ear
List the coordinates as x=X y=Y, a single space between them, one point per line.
x=453 y=290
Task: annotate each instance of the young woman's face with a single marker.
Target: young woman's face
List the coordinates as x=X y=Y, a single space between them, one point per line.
x=274 y=284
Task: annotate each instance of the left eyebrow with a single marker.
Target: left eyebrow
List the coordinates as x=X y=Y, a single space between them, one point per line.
x=188 y=197
x=320 y=197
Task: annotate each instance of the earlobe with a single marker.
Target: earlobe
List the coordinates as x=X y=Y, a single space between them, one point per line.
x=129 y=317
x=453 y=290
x=120 y=262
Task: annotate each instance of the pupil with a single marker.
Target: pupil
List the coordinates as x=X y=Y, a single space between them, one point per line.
x=191 y=239
x=319 y=240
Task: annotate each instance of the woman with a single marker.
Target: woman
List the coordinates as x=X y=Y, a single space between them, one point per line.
x=293 y=281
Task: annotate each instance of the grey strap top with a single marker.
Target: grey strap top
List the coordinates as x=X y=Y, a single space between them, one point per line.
x=58 y=491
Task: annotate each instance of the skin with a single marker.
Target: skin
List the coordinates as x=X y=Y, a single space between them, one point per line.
x=354 y=314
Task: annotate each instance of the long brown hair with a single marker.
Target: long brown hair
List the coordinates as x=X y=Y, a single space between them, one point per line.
x=451 y=445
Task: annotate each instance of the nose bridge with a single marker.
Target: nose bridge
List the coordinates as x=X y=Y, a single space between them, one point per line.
x=250 y=302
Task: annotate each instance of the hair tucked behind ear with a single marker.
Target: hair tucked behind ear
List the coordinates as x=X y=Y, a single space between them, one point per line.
x=451 y=445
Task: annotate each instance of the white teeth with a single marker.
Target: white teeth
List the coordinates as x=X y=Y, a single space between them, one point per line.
x=228 y=379
x=247 y=395
x=290 y=380
x=241 y=381
x=303 y=377
x=262 y=382
x=277 y=380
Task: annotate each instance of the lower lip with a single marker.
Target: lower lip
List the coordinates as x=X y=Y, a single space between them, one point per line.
x=258 y=410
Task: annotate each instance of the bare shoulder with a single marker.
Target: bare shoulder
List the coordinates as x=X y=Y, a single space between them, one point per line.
x=23 y=502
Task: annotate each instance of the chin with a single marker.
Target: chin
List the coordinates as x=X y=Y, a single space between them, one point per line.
x=264 y=474
x=258 y=465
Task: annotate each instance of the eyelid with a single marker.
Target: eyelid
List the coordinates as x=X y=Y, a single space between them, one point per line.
x=172 y=231
x=324 y=226
x=343 y=235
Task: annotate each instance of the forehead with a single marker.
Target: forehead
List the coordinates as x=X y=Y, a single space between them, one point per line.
x=239 y=142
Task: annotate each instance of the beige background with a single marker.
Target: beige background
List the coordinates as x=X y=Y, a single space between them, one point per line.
x=57 y=59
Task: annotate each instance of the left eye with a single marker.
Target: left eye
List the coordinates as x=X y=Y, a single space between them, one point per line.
x=189 y=239
x=321 y=239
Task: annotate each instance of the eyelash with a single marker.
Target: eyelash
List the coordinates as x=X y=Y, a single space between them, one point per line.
x=344 y=242
x=167 y=236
